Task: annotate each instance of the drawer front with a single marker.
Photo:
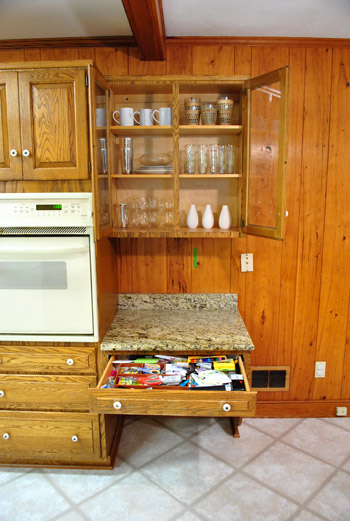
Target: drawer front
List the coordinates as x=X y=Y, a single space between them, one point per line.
x=45 y=392
x=68 y=361
x=49 y=436
x=172 y=402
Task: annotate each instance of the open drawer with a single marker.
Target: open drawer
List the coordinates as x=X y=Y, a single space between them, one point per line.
x=172 y=401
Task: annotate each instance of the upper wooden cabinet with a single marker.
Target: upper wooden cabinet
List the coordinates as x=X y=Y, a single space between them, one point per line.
x=44 y=124
x=253 y=187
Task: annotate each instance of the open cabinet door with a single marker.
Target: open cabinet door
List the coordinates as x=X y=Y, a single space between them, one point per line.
x=265 y=109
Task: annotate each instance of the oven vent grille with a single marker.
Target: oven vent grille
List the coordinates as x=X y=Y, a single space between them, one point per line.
x=43 y=230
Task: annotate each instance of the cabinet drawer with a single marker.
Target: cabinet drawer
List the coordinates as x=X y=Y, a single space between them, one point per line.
x=45 y=392
x=47 y=360
x=172 y=402
x=51 y=435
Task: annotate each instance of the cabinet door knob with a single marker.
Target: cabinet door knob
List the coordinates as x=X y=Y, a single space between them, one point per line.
x=75 y=438
x=226 y=407
x=13 y=152
x=6 y=435
x=117 y=405
x=26 y=152
x=2 y=394
x=70 y=361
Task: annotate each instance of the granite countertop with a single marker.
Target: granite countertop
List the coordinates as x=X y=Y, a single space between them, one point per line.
x=178 y=323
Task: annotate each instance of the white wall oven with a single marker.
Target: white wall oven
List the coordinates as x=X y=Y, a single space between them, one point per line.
x=47 y=268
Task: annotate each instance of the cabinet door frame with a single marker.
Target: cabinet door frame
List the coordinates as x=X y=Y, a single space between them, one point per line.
x=277 y=232
x=79 y=139
x=11 y=168
x=95 y=77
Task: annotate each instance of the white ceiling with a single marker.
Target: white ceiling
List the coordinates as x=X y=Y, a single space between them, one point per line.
x=88 y=18
x=298 y=18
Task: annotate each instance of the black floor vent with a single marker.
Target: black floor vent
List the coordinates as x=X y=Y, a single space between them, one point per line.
x=270 y=378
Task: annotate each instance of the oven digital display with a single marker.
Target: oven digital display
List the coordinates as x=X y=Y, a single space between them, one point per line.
x=49 y=207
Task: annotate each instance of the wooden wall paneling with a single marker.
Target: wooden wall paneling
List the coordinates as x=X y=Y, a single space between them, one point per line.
x=179 y=60
x=11 y=55
x=112 y=62
x=124 y=263
x=213 y=271
x=213 y=59
x=69 y=53
x=86 y=53
x=335 y=278
x=263 y=284
x=311 y=220
x=32 y=55
x=243 y=65
x=290 y=244
x=139 y=67
x=345 y=388
x=179 y=265
x=149 y=265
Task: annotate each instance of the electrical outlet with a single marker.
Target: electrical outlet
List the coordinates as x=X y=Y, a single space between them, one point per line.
x=341 y=411
x=246 y=262
x=320 y=369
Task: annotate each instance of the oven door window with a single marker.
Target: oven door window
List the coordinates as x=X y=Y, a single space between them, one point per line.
x=45 y=285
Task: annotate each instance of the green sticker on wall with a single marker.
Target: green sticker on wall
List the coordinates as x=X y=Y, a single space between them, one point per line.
x=195 y=257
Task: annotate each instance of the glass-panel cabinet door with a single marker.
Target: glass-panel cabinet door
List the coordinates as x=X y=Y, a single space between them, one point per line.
x=101 y=157
x=265 y=153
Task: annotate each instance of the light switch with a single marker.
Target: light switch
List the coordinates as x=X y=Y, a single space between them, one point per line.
x=320 y=369
x=246 y=262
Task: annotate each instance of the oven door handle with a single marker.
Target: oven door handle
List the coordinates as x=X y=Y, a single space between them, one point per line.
x=44 y=250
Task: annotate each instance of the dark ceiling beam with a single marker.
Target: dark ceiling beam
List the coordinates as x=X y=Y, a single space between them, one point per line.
x=42 y=43
x=147 y=24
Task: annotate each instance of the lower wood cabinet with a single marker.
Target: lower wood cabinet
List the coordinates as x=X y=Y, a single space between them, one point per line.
x=49 y=436
x=45 y=392
x=172 y=402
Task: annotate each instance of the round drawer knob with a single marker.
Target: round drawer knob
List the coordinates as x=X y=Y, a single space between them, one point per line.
x=13 y=152
x=26 y=153
x=226 y=407
x=6 y=435
x=2 y=394
x=75 y=438
x=70 y=361
x=117 y=405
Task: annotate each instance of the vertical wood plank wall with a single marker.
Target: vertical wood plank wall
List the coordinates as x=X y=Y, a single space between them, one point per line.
x=296 y=302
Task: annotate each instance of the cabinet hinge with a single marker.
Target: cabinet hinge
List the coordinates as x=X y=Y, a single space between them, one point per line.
x=86 y=80
x=89 y=167
x=242 y=223
x=244 y=92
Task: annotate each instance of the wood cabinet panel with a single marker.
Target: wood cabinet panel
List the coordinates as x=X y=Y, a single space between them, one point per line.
x=47 y=360
x=45 y=392
x=39 y=435
x=54 y=124
x=10 y=166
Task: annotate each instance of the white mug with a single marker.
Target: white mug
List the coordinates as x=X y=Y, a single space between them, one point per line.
x=100 y=117
x=146 y=117
x=165 y=116
x=127 y=117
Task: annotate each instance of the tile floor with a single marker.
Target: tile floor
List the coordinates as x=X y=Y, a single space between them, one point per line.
x=175 y=469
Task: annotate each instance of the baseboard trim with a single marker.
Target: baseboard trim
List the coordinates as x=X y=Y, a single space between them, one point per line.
x=307 y=409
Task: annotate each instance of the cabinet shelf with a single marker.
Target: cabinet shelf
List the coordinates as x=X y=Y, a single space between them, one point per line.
x=210 y=176
x=214 y=233
x=209 y=130
x=142 y=176
x=142 y=131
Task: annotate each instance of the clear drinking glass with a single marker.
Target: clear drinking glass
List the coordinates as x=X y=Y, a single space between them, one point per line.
x=213 y=159
x=230 y=159
x=221 y=159
x=202 y=159
x=123 y=215
x=190 y=159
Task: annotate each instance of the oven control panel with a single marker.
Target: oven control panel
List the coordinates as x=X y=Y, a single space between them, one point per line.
x=45 y=209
